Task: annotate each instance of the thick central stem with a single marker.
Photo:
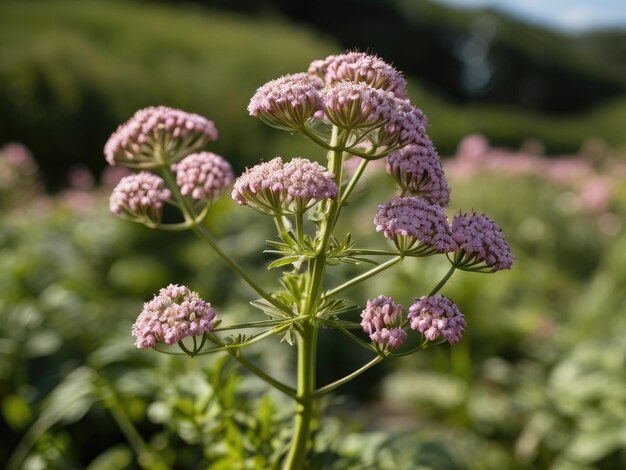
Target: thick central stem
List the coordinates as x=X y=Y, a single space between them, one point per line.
x=307 y=339
x=307 y=342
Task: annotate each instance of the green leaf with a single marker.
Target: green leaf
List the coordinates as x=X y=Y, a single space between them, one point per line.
x=292 y=259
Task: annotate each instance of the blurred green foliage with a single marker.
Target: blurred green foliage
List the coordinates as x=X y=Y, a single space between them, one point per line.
x=71 y=71
x=536 y=382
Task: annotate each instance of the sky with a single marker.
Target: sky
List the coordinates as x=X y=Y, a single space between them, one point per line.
x=565 y=15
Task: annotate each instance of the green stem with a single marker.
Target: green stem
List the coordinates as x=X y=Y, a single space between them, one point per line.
x=243 y=344
x=366 y=275
x=307 y=339
x=443 y=281
x=300 y=227
x=372 y=253
x=254 y=324
x=304 y=407
x=203 y=233
x=332 y=386
x=353 y=337
x=236 y=354
x=354 y=180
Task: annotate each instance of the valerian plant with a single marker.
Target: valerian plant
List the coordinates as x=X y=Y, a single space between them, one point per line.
x=353 y=106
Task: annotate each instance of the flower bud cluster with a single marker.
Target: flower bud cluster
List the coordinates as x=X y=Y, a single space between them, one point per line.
x=157 y=135
x=203 y=176
x=382 y=320
x=353 y=91
x=360 y=67
x=433 y=316
x=417 y=170
x=413 y=222
x=175 y=313
x=437 y=316
x=481 y=242
x=140 y=197
x=276 y=188
x=287 y=102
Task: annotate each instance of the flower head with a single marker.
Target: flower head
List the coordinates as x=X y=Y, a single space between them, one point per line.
x=360 y=67
x=172 y=132
x=437 y=316
x=352 y=105
x=415 y=224
x=382 y=320
x=481 y=243
x=417 y=170
x=175 y=313
x=276 y=188
x=384 y=120
x=140 y=197
x=287 y=102
x=203 y=175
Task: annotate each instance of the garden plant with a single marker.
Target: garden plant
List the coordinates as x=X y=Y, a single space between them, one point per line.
x=355 y=107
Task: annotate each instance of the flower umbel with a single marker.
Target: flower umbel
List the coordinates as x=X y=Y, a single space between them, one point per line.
x=203 y=176
x=276 y=188
x=416 y=226
x=417 y=170
x=175 y=313
x=156 y=136
x=140 y=197
x=360 y=67
x=288 y=102
x=437 y=316
x=382 y=320
x=481 y=244
x=377 y=117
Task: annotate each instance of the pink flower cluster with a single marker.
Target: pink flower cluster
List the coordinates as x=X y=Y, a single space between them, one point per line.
x=277 y=188
x=203 y=176
x=360 y=67
x=172 y=132
x=352 y=91
x=481 y=240
x=411 y=220
x=287 y=102
x=175 y=313
x=382 y=320
x=394 y=121
x=437 y=316
x=140 y=196
x=417 y=170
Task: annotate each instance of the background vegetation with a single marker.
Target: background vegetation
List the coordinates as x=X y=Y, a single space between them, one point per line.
x=538 y=379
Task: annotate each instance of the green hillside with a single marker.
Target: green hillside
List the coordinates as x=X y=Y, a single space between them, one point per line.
x=71 y=71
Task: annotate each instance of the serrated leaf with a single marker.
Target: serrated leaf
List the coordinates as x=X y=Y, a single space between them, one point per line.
x=267 y=308
x=278 y=245
x=285 y=260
